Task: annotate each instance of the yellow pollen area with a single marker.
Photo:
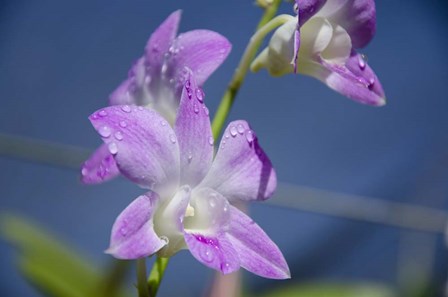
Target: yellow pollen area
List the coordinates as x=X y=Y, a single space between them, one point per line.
x=189 y=212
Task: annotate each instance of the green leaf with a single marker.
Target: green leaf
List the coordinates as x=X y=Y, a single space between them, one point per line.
x=333 y=290
x=52 y=266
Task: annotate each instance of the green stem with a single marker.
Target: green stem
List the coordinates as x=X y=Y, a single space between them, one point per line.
x=142 y=286
x=156 y=275
x=266 y=25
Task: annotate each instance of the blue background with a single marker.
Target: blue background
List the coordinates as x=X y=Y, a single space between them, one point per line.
x=59 y=60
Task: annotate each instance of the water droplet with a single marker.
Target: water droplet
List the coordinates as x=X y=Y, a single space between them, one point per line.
x=126 y=108
x=104 y=131
x=233 y=131
x=163 y=122
x=362 y=61
x=173 y=138
x=212 y=201
x=113 y=148
x=103 y=113
x=206 y=254
x=190 y=157
x=164 y=68
x=371 y=83
x=118 y=135
x=195 y=108
x=211 y=140
x=240 y=129
x=188 y=85
x=200 y=94
x=296 y=8
x=250 y=136
x=227 y=135
x=123 y=231
x=206 y=111
x=84 y=171
x=123 y=124
x=164 y=239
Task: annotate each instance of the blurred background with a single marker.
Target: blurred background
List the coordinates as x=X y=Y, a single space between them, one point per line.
x=364 y=196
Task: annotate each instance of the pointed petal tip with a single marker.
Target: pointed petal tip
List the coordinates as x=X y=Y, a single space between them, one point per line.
x=382 y=102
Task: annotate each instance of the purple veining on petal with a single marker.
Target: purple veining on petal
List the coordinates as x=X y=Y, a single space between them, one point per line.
x=214 y=252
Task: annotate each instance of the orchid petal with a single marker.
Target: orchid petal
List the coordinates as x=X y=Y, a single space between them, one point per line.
x=133 y=235
x=194 y=134
x=205 y=231
x=308 y=8
x=202 y=51
x=161 y=40
x=137 y=89
x=256 y=251
x=357 y=17
x=99 y=167
x=355 y=80
x=241 y=169
x=168 y=221
x=339 y=48
x=142 y=142
x=280 y=55
x=214 y=252
x=316 y=35
x=211 y=213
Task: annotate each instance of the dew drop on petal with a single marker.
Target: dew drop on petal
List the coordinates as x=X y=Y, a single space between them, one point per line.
x=206 y=111
x=84 y=171
x=173 y=138
x=190 y=157
x=371 y=83
x=250 y=136
x=187 y=85
x=206 y=254
x=196 y=108
x=123 y=124
x=104 y=131
x=124 y=231
x=200 y=94
x=118 y=135
x=211 y=140
x=126 y=108
x=362 y=62
x=240 y=129
x=163 y=122
x=147 y=80
x=164 y=239
x=233 y=131
x=113 y=148
x=103 y=113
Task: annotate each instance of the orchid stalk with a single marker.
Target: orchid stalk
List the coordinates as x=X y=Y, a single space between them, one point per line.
x=266 y=25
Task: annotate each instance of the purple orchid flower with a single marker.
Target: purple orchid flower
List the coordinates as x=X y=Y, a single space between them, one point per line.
x=188 y=203
x=155 y=81
x=321 y=41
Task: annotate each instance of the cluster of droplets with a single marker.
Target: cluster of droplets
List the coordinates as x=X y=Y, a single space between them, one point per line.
x=239 y=129
x=362 y=63
x=199 y=95
x=206 y=250
x=117 y=134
